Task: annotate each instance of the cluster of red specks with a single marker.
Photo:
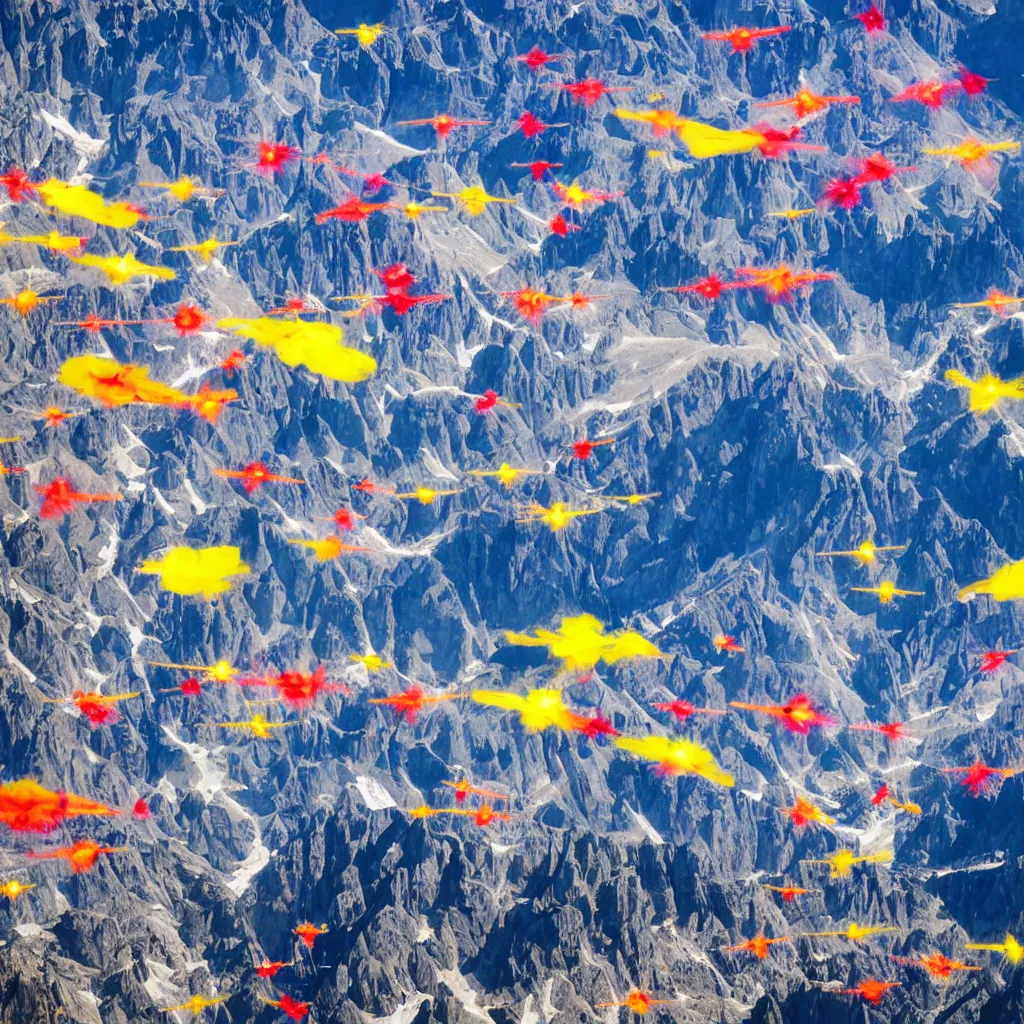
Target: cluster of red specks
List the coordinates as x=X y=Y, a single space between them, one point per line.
x=367 y=486
x=272 y=157
x=485 y=815
x=209 y=403
x=777 y=142
x=536 y=58
x=871 y=990
x=397 y=282
x=141 y=810
x=881 y=795
x=17 y=184
x=191 y=687
x=538 y=168
x=558 y=225
x=843 y=192
x=683 y=709
x=54 y=417
x=588 y=90
x=294 y=305
x=742 y=39
x=800 y=715
x=371 y=182
x=710 y=287
x=396 y=278
x=268 y=968
x=292 y=1008
x=94 y=709
x=872 y=19
x=234 y=361
x=876 y=168
x=345 y=520
x=992 y=660
x=489 y=401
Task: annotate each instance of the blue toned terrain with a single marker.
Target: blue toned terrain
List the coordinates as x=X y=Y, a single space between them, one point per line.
x=769 y=432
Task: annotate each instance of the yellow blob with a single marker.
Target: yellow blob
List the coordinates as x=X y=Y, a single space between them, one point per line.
x=581 y=643
x=537 y=710
x=121 y=269
x=1005 y=584
x=204 y=250
x=191 y=571
x=986 y=392
x=313 y=344
x=373 y=662
x=704 y=141
x=677 y=757
x=78 y=201
x=474 y=199
x=1011 y=949
x=112 y=383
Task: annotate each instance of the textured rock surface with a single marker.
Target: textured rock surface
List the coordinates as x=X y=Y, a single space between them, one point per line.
x=771 y=431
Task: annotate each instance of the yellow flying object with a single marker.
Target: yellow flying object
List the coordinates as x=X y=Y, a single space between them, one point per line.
x=887 y=590
x=426 y=495
x=1011 y=949
x=196 y=1004
x=184 y=188
x=793 y=214
x=257 y=725
x=632 y=499
x=414 y=210
x=505 y=473
x=204 y=250
x=474 y=199
x=13 y=889
x=121 y=269
x=372 y=662
x=986 y=392
x=557 y=517
x=366 y=34
x=865 y=553
x=841 y=863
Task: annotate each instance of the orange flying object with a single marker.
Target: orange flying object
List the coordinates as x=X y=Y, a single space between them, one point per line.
x=973 y=155
x=803 y=812
x=196 y=1004
x=870 y=990
x=411 y=701
x=577 y=197
x=463 y=788
x=725 y=642
x=27 y=300
x=882 y=795
x=639 y=1002
x=442 y=124
x=759 y=946
x=996 y=300
x=483 y=815
x=936 y=964
x=367 y=486
x=743 y=39
x=308 y=933
x=352 y=211
x=54 y=417
x=805 y=102
x=25 y=806
x=328 y=548
x=779 y=283
x=5 y=470
x=268 y=968
x=799 y=715
x=81 y=856
x=789 y=893
x=292 y=1008
x=254 y=476
x=531 y=303
x=13 y=889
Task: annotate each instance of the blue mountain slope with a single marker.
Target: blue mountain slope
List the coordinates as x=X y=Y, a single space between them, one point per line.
x=771 y=432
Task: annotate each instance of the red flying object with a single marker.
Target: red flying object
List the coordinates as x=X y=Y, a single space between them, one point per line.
x=892 y=731
x=290 y=1007
x=343 y=519
x=779 y=141
x=583 y=448
x=979 y=777
x=971 y=83
x=54 y=417
x=189 y=688
x=682 y=709
x=402 y=303
x=742 y=39
x=309 y=933
x=272 y=156
x=799 y=715
x=587 y=91
x=877 y=168
x=489 y=400
x=485 y=815
x=805 y=102
x=59 y=499
x=538 y=168
x=295 y=305
x=187 y=320
x=443 y=124
x=17 y=184
x=298 y=689
x=843 y=192
x=411 y=701
x=141 y=811
x=254 y=476
x=396 y=278
x=710 y=287
x=558 y=225
x=930 y=94
x=269 y=968
x=536 y=58
x=597 y=726
x=726 y=642
x=371 y=182
x=352 y=211
x=870 y=990
x=532 y=126
x=991 y=660
x=367 y=486
x=872 y=19
x=789 y=893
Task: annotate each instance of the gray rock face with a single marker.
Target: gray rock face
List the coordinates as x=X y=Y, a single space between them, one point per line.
x=771 y=432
